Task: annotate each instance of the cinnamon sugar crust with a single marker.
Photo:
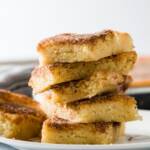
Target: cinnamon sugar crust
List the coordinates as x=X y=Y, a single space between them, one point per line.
x=71 y=47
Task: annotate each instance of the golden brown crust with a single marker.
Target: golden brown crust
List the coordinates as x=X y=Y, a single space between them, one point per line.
x=11 y=97
x=95 y=109
x=20 y=116
x=87 y=47
x=45 y=77
x=98 y=83
x=61 y=124
x=16 y=109
x=128 y=100
x=89 y=133
x=18 y=103
x=72 y=38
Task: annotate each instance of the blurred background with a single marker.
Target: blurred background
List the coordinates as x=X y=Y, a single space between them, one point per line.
x=23 y=23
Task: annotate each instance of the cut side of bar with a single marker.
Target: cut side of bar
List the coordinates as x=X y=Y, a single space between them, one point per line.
x=109 y=108
x=61 y=132
x=100 y=82
x=45 y=77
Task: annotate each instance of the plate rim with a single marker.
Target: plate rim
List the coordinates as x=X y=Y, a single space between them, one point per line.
x=29 y=144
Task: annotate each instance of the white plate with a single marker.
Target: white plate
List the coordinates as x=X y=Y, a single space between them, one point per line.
x=137 y=137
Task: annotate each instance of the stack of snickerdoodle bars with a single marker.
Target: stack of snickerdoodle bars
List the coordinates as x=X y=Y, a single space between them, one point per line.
x=80 y=85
